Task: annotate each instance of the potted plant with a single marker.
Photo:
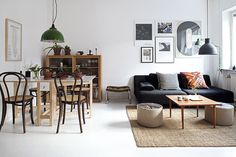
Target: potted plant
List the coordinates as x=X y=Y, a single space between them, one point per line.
x=67 y=50
x=56 y=49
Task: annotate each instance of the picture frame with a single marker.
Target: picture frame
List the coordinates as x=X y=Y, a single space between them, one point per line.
x=164 y=49
x=188 y=39
x=13 y=40
x=144 y=33
x=146 y=54
x=164 y=28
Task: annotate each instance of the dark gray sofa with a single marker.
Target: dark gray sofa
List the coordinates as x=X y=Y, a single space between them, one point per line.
x=158 y=95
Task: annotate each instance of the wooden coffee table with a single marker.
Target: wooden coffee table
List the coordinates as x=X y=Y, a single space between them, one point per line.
x=203 y=102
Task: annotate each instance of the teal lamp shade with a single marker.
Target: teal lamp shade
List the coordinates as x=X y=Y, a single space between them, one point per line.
x=207 y=48
x=52 y=35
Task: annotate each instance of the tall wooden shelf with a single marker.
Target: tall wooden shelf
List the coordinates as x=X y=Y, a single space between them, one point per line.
x=87 y=64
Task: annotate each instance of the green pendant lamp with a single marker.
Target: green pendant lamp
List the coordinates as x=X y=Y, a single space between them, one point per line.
x=52 y=34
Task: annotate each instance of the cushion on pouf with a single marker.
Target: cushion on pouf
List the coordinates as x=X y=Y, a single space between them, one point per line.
x=149 y=114
x=224 y=114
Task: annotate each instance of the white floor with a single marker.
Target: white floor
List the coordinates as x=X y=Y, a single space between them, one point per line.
x=106 y=134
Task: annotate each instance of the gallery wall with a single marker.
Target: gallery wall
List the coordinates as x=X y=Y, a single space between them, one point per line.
x=107 y=25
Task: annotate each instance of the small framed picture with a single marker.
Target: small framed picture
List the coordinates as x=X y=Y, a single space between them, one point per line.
x=13 y=38
x=146 y=54
x=164 y=50
x=164 y=28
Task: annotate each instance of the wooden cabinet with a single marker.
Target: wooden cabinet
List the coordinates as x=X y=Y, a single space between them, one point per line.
x=87 y=64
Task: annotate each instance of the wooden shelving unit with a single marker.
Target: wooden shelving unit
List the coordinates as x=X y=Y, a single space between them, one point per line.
x=87 y=64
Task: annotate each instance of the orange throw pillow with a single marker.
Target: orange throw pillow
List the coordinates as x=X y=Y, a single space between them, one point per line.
x=195 y=79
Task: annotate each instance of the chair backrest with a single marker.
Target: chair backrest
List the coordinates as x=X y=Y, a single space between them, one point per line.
x=61 y=83
x=20 y=82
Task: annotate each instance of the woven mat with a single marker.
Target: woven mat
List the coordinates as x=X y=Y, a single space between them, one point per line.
x=197 y=132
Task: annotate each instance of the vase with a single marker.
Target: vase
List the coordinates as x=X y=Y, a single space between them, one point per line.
x=35 y=75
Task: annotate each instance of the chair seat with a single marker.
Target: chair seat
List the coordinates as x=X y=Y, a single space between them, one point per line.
x=18 y=99
x=118 y=88
x=69 y=98
x=84 y=89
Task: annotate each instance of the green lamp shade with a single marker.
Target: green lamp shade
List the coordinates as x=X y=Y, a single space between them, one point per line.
x=207 y=48
x=52 y=35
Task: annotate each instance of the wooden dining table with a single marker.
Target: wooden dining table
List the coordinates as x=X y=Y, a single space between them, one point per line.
x=48 y=85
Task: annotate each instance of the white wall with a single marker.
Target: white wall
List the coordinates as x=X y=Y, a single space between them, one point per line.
x=33 y=15
x=107 y=25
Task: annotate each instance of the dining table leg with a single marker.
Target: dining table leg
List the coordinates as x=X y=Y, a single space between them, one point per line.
x=90 y=98
x=38 y=105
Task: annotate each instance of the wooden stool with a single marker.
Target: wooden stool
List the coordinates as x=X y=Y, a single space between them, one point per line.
x=118 y=89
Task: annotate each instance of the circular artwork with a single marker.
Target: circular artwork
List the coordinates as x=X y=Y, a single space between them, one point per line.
x=188 y=35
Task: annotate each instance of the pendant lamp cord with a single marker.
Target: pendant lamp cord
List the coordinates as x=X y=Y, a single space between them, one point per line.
x=207 y=17
x=54 y=11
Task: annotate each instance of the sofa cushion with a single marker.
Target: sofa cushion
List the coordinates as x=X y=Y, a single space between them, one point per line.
x=152 y=78
x=146 y=86
x=195 y=80
x=168 y=81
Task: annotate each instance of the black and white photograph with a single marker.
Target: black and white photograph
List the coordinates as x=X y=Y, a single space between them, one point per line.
x=164 y=50
x=146 y=54
x=164 y=28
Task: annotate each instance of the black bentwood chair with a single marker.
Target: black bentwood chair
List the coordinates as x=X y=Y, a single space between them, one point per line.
x=75 y=98
x=19 y=97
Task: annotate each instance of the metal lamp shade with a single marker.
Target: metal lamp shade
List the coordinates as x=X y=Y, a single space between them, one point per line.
x=52 y=35
x=207 y=48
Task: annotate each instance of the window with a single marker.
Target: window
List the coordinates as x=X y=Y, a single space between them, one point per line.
x=233 y=39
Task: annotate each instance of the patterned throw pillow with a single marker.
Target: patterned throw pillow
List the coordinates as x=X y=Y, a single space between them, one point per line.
x=195 y=79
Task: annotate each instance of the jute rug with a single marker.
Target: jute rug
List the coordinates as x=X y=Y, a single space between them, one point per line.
x=197 y=132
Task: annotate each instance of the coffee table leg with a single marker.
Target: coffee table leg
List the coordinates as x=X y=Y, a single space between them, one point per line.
x=170 y=107
x=182 y=116
x=214 y=116
x=197 y=110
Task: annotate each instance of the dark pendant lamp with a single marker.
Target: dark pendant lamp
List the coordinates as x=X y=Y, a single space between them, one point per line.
x=52 y=34
x=207 y=48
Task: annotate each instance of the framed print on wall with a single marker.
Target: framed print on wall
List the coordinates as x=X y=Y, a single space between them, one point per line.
x=187 y=38
x=146 y=54
x=144 y=33
x=164 y=50
x=13 y=40
x=164 y=28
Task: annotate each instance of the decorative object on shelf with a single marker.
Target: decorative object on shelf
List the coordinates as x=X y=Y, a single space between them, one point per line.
x=80 y=52
x=144 y=33
x=13 y=38
x=35 y=70
x=164 y=28
x=67 y=50
x=96 y=51
x=164 y=50
x=90 y=52
x=146 y=54
x=188 y=34
x=56 y=49
x=52 y=34
x=207 y=48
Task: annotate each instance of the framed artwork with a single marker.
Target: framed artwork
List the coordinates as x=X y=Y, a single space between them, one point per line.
x=13 y=40
x=164 y=28
x=146 y=54
x=188 y=38
x=164 y=50
x=144 y=33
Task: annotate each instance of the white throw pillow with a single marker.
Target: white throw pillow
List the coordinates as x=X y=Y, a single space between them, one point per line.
x=167 y=81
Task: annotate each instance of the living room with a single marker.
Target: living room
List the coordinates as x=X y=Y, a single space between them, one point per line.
x=108 y=29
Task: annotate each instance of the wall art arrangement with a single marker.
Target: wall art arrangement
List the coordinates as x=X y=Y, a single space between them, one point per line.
x=146 y=54
x=172 y=39
x=13 y=40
